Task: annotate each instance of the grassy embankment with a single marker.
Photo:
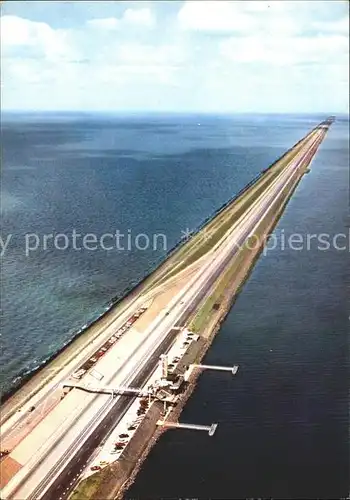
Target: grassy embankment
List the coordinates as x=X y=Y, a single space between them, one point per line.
x=89 y=486
x=200 y=318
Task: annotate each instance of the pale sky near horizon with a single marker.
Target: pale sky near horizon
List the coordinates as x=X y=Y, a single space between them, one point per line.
x=206 y=56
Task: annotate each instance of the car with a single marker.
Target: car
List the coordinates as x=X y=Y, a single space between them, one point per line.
x=95 y=467
x=119 y=447
x=120 y=443
x=32 y=408
x=104 y=462
x=131 y=427
x=78 y=374
x=124 y=435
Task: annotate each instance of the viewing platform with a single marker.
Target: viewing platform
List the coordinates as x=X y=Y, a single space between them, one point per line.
x=233 y=369
x=195 y=427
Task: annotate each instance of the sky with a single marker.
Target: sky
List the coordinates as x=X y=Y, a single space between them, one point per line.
x=192 y=56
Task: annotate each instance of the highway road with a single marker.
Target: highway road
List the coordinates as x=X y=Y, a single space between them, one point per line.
x=48 y=473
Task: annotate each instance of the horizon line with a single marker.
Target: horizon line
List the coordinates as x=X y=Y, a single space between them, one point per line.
x=168 y=112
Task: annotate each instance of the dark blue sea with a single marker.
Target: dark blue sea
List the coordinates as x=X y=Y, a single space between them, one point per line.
x=283 y=420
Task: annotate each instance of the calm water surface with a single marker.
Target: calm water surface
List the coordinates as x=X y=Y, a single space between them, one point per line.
x=283 y=419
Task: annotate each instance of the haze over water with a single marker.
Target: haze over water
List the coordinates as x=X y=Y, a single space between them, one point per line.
x=283 y=420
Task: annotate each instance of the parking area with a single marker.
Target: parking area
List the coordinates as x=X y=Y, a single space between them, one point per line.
x=116 y=443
